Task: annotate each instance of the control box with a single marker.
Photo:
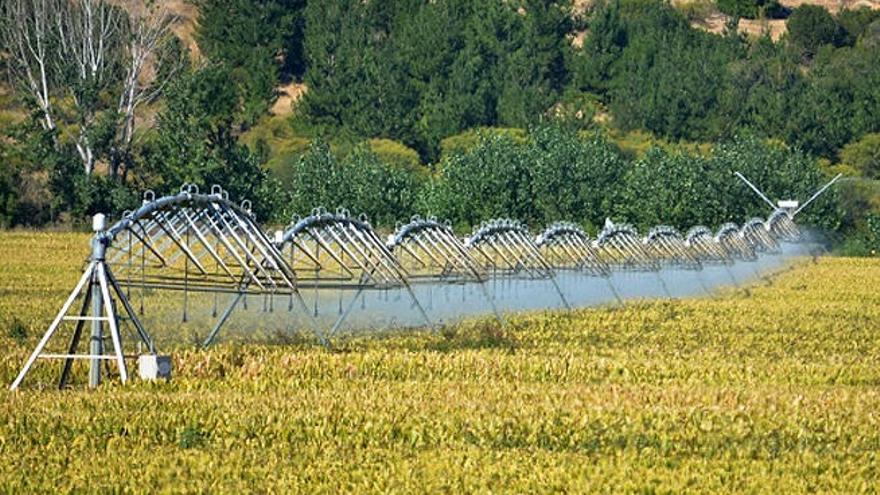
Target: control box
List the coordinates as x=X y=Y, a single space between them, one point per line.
x=153 y=367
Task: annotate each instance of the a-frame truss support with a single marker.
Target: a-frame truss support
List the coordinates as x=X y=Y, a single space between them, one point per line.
x=98 y=291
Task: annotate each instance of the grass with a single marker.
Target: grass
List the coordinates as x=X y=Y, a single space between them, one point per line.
x=774 y=389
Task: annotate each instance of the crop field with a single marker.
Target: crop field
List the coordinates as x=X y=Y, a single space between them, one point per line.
x=770 y=388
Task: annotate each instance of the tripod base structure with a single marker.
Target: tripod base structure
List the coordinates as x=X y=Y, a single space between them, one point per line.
x=98 y=290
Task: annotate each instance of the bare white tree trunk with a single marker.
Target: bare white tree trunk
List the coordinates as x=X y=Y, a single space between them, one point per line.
x=26 y=39
x=80 y=49
x=87 y=31
x=150 y=30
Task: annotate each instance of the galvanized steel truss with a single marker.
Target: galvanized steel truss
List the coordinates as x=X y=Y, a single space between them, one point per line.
x=731 y=240
x=620 y=246
x=666 y=244
x=338 y=251
x=756 y=234
x=430 y=250
x=705 y=248
x=567 y=247
x=506 y=248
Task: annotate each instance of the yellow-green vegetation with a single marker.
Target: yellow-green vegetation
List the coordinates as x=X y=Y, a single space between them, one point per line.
x=771 y=389
x=10 y=112
x=635 y=144
x=864 y=155
x=398 y=155
x=696 y=11
x=283 y=140
x=275 y=137
x=470 y=138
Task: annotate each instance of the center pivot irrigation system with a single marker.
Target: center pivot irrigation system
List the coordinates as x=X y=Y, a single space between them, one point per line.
x=202 y=246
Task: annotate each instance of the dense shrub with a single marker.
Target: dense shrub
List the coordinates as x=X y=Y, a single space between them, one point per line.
x=397 y=155
x=359 y=182
x=811 y=26
x=855 y=22
x=8 y=193
x=43 y=182
x=750 y=9
x=874 y=232
x=870 y=37
x=472 y=137
x=864 y=155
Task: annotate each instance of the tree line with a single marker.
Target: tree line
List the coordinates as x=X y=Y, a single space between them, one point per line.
x=149 y=114
x=554 y=172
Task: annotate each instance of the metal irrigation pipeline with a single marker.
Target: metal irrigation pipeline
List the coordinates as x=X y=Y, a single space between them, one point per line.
x=185 y=242
x=429 y=250
x=667 y=245
x=506 y=249
x=756 y=234
x=620 y=246
x=338 y=251
x=194 y=242
x=731 y=240
x=566 y=246
x=704 y=247
x=780 y=225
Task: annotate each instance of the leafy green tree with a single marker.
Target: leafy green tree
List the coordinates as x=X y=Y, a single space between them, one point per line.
x=534 y=74
x=553 y=174
x=839 y=102
x=573 y=178
x=857 y=74
x=655 y=72
x=360 y=182
x=855 y=22
x=780 y=171
x=751 y=9
x=592 y=64
x=811 y=27
x=420 y=71
x=864 y=155
x=248 y=36
x=488 y=181
x=42 y=180
x=352 y=82
x=195 y=143
x=761 y=89
x=685 y=189
x=670 y=77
